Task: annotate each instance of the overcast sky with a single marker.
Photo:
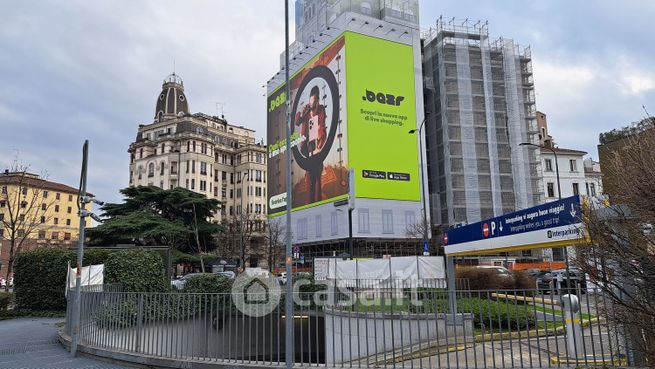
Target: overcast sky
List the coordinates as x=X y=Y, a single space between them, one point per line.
x=71 y=70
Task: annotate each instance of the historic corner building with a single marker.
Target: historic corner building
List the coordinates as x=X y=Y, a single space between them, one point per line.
x=204 y=154
x=355 y=95
x=42 y=213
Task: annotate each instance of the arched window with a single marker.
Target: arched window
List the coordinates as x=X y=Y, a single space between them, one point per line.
x=161 y=168
x=140 y=171
x=151 y=170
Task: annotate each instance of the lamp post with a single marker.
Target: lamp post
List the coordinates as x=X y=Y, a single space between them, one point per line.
x=425 y=205
x=243 y=246
x=288 y=301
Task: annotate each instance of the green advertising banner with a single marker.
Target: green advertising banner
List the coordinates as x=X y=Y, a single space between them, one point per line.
x=352 y=106
x=381 y=111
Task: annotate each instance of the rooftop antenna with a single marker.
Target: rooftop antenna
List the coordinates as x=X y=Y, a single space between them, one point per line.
x=646 y=111
x=220 y=108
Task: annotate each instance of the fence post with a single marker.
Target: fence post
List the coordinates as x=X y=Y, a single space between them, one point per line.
x=139 y=323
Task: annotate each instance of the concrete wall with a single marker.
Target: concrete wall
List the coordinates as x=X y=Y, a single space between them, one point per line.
x=350 y=336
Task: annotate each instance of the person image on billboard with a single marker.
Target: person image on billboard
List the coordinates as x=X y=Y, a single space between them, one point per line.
x=311 y=119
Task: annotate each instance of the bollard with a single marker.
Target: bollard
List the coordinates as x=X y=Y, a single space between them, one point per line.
x=574 y=345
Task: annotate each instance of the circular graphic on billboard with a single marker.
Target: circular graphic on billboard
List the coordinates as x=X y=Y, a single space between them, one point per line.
x=315 y=115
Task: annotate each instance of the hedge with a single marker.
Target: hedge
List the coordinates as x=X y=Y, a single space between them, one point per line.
x=40 y=275
x=137 y=270
x=6 y=299
x=208 y=283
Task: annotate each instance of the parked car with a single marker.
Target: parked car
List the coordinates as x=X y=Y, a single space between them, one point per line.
x=179 y=283
x=557 y=281
x=228 y=274
x=501 y=271
x=282 y=278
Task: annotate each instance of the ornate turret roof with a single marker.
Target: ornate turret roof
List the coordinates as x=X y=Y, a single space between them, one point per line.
x=171 y=102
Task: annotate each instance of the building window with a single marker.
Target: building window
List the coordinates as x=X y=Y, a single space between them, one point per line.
x=56 y=220
x=193 y=183
x=592 y=187
x=54 y=235
x=576 y=190
x=67 y=236
x=161 y=168
x=69 y=210
x=24 y=190
x=42 y=220
x=45 y=194
x=44 y=206
x=203 y=185
x=550 y=189
x=56 y=208
x=21 y=233
x=187 y=166
x=573 y=165
x=194 y=146
x=21 y=218
x=3 y=203
x=387 y=221
x=174 y=167
x=363 y=221
x=302 y=229
x=549 y=165
x=203 y=168
x=334 y=223
x=193 y=166
x=41 y=235
x=23 y=204
x=410 y=220
x=68 y=222
x=151 y=170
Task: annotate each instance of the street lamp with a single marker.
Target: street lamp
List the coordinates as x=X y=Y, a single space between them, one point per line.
x=425 y=205
x=243 y=246
x=559 y=190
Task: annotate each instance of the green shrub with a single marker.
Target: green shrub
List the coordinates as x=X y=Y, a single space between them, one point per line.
x=40 y=279
x=137 y=270
x=6 y=299
x=486 y=313
x=208 y=283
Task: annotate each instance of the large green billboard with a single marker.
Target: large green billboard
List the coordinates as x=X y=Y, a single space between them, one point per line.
x=352 y=106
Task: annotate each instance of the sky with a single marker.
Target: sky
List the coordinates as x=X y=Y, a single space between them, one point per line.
x=79 y=69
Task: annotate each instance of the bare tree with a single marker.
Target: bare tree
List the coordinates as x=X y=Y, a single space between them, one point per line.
x=236 y=240
x=275 y=239
x=26 y=209
x=620 y=257
x=417 y=228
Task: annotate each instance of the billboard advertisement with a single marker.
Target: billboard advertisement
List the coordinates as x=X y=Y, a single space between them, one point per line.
x=352 y=106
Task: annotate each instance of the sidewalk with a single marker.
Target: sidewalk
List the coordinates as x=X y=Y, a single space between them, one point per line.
x=32 y=343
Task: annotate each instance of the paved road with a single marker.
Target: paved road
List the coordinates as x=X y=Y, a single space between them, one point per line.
x=32 y=343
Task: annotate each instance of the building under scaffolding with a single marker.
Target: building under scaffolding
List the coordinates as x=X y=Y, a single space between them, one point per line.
x=480 y=105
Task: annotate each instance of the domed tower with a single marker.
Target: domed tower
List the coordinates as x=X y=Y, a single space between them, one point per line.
x=171 y=102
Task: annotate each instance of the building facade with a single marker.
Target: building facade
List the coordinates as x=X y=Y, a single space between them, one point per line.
x=480 y=106
x=204 y=154
x=326 y=35
x=37 y=213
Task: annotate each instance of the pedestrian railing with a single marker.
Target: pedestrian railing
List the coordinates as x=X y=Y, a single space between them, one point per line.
x=421 y=327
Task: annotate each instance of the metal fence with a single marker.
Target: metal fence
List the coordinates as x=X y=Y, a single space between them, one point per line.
x=375 y=327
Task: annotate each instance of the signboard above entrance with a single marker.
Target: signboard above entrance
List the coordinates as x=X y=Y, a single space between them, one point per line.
x=554 y=224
